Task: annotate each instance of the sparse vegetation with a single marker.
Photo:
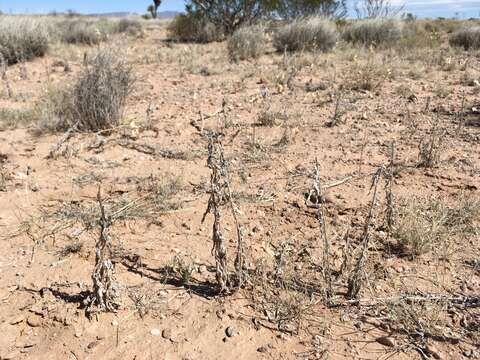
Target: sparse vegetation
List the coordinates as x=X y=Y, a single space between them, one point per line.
x=129 y=26
x=314 y=34
x=431 y=148
x=193 y=28
x=15 y=118
x=426 y=225
x=82 y=32
x=22 y=39
x=101 y=91
x=374 y=32
x=468 y=38
x=247 y=43
x=421 y=226
x=379 y=235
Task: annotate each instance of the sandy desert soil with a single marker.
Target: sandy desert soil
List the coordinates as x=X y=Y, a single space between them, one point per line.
x=165 y=271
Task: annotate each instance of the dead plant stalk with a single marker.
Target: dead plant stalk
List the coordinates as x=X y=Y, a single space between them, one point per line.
x=103 y=273
x=356 y=279
x=220 y=195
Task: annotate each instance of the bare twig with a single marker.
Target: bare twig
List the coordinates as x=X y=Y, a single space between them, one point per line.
x=356 y=279
x=317 y=193
x=390 y=198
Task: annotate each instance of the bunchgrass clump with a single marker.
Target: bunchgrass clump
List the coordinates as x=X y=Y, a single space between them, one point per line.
x=468 y=38
x=426 y=225
x=15 y=118
x=81 y=32
x=129 y=26
x=22 y=39
x=54 y=111
x=247 y=43
x=421 y=226
x=374 y=32
x=314 y=33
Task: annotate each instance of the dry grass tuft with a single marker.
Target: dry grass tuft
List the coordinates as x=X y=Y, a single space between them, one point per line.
x=22 y=39
x=247 y=43
x=14 y=118
x=468 y=38
x=314 y=33
x=431 y=147
x=420 y=227
x=81 y=32
x=369 y=75
x=54 y=111
x=129 y=26
x=374 y=32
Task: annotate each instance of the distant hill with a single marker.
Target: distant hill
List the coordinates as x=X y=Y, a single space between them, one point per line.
x=161 y=14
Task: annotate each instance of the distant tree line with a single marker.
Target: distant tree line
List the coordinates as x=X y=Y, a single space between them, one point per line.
x=228 y=15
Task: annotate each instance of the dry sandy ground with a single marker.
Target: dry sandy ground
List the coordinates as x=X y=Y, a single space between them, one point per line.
x=161 y=316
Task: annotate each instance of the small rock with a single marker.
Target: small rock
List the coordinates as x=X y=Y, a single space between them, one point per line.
x=92 y=344
x=155 y=332
x=114 y=322
x=386 y=341
x=34 y=321
x=257 y=228
x=467 y=353
x=262 y=349
x=229 y=331
x=167 y=334
x=78 y=334
x=202 y=269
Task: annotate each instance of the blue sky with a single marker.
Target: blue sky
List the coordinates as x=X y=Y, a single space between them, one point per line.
x=431 y=8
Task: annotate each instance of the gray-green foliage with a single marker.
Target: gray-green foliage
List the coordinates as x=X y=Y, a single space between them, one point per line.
x=314 y=33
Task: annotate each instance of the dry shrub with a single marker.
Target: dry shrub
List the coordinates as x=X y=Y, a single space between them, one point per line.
x=129 y=26
x=54 y=111
x=100 y=94
x=374 y=32
x=192 y=28
x=22 y=39
x=81 y=32
x=14 y=118
x=314 y=33
x=465 y=216
x=468 y=38
x=95 y=102
x=441 y=25
x=278 y=293
x=431 y=147
x=246 y=42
